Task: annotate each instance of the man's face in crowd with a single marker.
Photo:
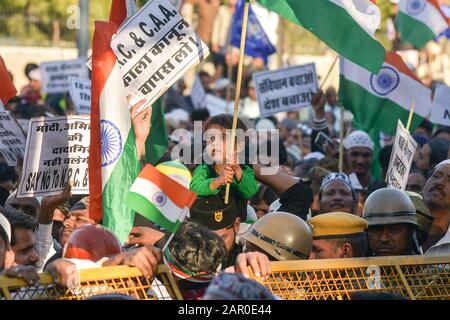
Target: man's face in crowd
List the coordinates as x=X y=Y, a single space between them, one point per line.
x=327 y=249
x=360 y=159
x=76 y=219
x=25 y=247
x=294 y=138
x=229 y=234
x=390 y=240
x=35 y=85
x=436 y=192
x=423 y=161
x=415 y=183
x=252 y=93
x=284 y=132
x=336 y=196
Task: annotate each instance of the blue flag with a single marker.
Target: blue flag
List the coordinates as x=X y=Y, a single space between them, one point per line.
x=257 y=43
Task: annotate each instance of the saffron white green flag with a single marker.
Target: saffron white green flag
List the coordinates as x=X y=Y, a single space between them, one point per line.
x=346 y=26
x=419 y=21
x=160 y=198
x=378 y=101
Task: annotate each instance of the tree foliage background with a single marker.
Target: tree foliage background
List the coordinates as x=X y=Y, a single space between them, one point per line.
x=44 y=23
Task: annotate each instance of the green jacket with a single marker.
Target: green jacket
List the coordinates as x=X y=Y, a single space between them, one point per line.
x=204 y=175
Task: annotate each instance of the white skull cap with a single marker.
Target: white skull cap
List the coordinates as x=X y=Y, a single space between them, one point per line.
x=358 y=138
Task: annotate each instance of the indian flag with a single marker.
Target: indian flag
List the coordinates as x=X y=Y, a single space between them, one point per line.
x=113 y=161
x=160 y=198
x=420 y=21
x=377 y=101
x=347 y=27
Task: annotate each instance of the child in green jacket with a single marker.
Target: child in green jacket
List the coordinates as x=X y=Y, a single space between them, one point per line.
x=211 y=179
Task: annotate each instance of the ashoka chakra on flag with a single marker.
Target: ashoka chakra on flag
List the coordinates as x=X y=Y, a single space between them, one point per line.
x=110 y=141
x=414 y=7
x=386 y=81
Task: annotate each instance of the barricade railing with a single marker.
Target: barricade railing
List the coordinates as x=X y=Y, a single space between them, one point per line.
x=120 y=280
x=413 y=277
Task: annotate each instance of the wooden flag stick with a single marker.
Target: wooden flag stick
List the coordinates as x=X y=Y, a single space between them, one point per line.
x=411 y=113
x=329 y=72
x=238 y=87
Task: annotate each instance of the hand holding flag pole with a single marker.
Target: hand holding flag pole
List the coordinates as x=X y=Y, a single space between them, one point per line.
x=238 y=87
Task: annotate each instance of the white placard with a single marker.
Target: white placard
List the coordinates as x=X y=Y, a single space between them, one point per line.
x=80 y=92
x=154 y=49
x=198 y=93
x=12 y=139
x=402 y=157
x=285 y=89
x=216 y=105
x=440 y=109
x=2 y=107
x=56 y=75
x=57 y=151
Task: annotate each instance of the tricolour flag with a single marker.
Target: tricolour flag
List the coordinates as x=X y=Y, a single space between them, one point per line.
x=7 y=89
x=347 y=27
x=113 y=161
x=420 y=21
x=377 y=101
x=159 y=198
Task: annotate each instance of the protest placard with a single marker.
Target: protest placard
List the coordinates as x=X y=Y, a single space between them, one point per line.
x=285 y=89
x=198 y=93
x=155 y=48
x=402 y=157
x=216 y=105
x=57 y=151
x=80 y=92
x=440 y=108
x=2 y=107
x=12 y=139
x=56 y=75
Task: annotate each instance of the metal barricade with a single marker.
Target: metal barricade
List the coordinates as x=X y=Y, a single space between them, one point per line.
x=413 y=277
x=109 y=280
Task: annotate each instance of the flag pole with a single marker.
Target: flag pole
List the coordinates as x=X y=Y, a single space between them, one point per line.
x=185 y=211
x=329 y=72
x=411 y=113
x=341 y=140
x=238 y=86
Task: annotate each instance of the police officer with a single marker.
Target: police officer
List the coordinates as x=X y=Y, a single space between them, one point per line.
x=338 y=235
x=392 y=221
x=281 y=236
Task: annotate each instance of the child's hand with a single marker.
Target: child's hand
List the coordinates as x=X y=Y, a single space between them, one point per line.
x=226 y=176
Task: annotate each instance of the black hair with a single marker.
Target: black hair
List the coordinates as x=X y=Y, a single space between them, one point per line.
x=263 y=193
x=384 y=156
x=427 y=125
x=17 y=219
x=359 y=244
x=199 y=114
x=225 y=121
x=197 y=249
x=7 y=173
x=30 y=67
